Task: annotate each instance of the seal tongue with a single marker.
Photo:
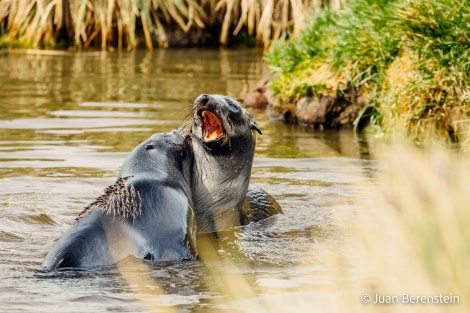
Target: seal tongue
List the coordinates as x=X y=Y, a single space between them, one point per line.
x=212 y=126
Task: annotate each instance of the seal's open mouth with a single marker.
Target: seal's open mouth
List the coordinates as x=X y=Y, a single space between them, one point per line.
x=212 y=126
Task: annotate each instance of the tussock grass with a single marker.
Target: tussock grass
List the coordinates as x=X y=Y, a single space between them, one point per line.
x=412 y=231
x=409 y=58
x=99 y=23
x=434 y=97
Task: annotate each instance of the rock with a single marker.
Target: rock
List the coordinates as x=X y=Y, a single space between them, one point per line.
x=313 y=112
x=256 y=97
x=322 y=111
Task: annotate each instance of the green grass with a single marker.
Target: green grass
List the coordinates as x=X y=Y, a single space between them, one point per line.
x=6 y=42
x=409 y=58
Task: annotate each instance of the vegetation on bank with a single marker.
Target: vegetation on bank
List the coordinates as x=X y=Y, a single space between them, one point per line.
x=87 y=23
x=408 y=59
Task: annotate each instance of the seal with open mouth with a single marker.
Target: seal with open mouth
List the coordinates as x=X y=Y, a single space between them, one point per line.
x=147 y=213
x=224 y=145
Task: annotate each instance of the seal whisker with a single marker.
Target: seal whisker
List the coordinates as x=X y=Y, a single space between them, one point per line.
x=187 y=116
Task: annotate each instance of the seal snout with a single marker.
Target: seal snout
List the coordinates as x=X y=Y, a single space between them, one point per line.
x=202 y=99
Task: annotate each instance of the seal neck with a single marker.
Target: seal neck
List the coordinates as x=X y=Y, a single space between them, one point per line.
x=219 y=185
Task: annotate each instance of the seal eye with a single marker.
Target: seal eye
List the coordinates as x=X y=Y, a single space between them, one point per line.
x=233 y=105
x=149 y=146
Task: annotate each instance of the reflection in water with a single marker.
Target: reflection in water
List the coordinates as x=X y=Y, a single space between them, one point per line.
x=297 y=141
x=34 y=84
x=39 y=89
x=68 y=121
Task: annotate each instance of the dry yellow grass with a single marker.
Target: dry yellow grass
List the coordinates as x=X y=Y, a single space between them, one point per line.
x=102 y=23
x=417 y=241
x=410 y=236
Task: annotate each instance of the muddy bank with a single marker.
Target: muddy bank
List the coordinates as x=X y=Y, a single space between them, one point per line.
x=320 y=111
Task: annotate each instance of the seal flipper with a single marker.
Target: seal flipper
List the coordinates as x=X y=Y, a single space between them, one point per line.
x=258 y=205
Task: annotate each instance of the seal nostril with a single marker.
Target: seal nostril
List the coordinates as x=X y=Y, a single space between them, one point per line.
x=204 y=99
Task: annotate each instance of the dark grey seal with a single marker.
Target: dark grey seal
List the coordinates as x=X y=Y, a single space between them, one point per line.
x=147 y=213
x=224 y=146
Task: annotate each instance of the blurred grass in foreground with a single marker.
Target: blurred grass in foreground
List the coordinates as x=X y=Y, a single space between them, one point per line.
x=410 y=235
x=414 y=230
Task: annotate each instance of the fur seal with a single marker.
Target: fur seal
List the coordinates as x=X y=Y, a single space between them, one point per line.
x=224 y=144
x=147 y=213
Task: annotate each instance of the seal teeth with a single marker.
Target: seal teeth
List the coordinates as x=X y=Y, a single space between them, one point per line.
x=212 y=126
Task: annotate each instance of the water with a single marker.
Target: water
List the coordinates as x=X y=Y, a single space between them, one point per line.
x=68 y=121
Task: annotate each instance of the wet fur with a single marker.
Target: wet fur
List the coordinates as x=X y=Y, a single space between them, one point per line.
x=117 y=201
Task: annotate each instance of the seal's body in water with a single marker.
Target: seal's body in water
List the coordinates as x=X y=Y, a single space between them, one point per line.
x=224 y=145
x=147 y=213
